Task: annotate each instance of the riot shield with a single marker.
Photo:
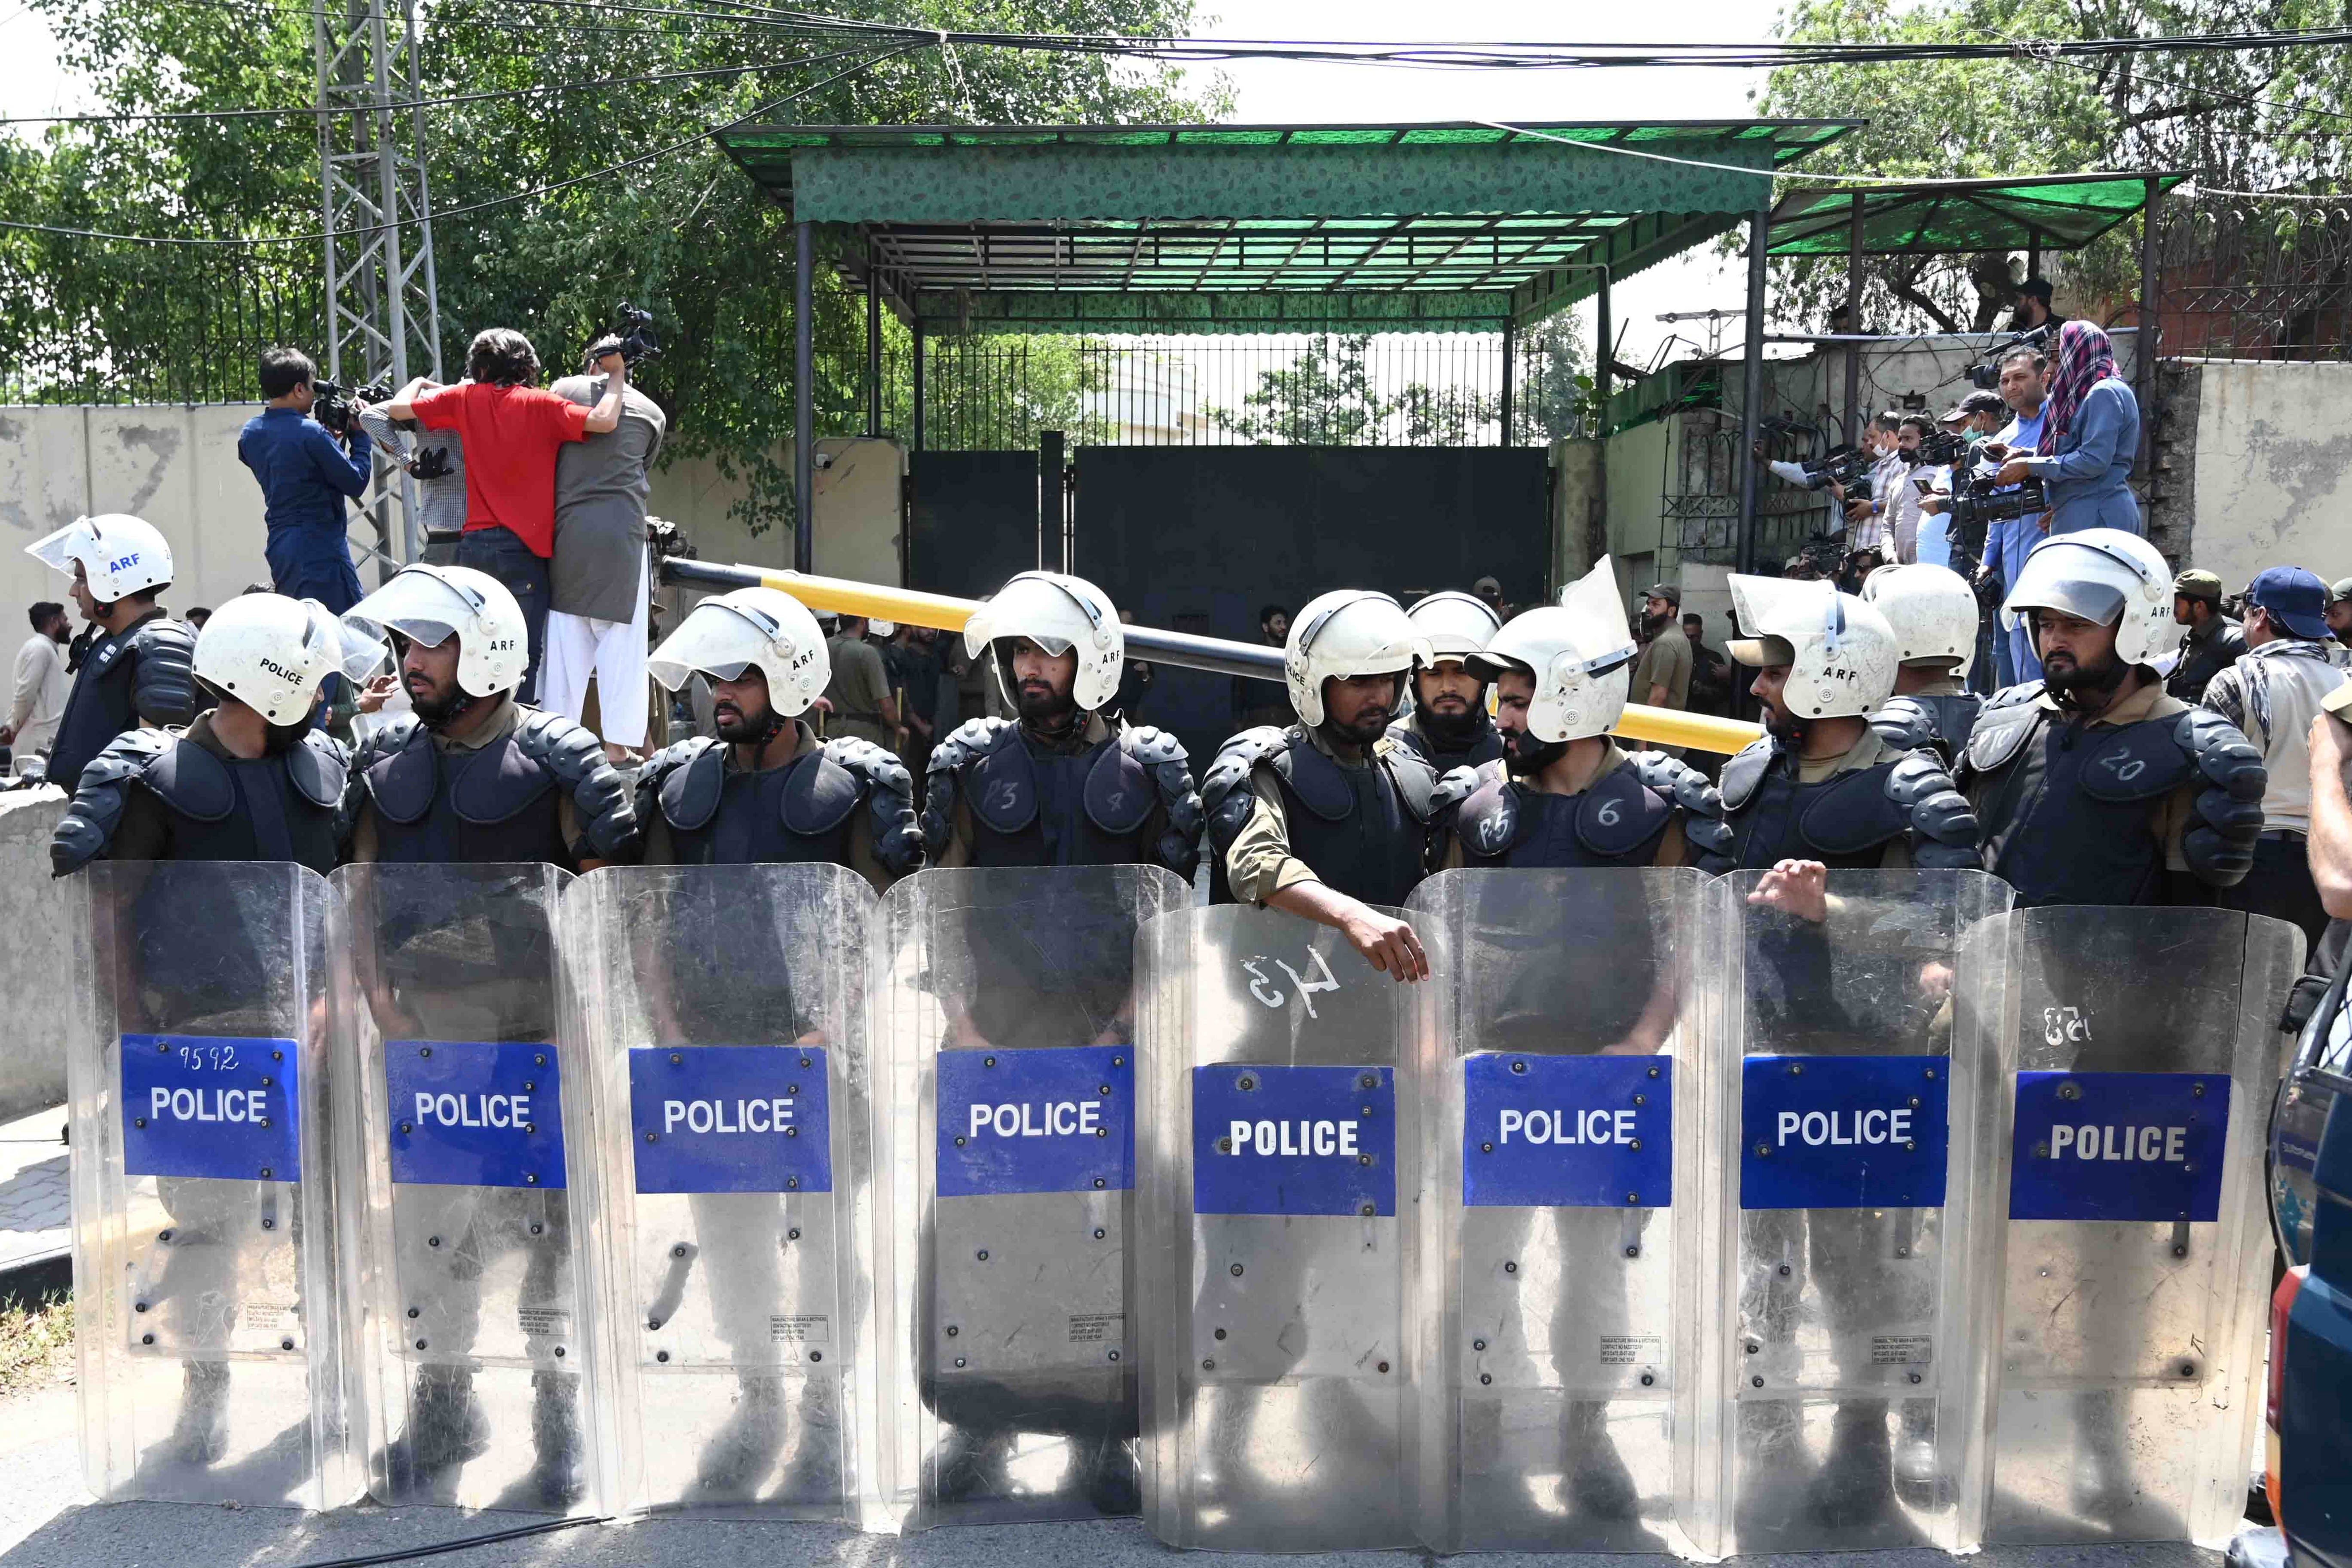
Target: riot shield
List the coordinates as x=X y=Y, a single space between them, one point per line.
x=209 y=1336
x=1007 y=1001
x=1271 y=1268
x=1846 y=1377
x=2135 y=1081
x=470 y=1184
x=722 y=1026
x=1562 y=1062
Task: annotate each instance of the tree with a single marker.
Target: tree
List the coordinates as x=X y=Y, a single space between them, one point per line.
x=1328 y=397
x=687 y=236
x=2250 y=119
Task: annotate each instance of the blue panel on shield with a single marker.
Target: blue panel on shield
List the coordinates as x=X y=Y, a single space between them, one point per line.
x=1843 y=1132
x=730 y=1118
x=207 y=1105
x=2119 y=1146
x=1567 y=1131
x=1036 y=1121
x=1293 y=1141
x=465 y=1114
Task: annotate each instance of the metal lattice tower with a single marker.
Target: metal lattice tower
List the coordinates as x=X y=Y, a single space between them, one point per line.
x=383 y=303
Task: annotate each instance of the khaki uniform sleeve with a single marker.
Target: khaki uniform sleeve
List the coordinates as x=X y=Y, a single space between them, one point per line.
x=1674 y=849
x=1674 y=673
x=1898 y=855
x=2169 y=821
x=863 y=682
x=659 y=850
x=1260 y=863
x=956 y=850
x=363 y=845
x=567 y=823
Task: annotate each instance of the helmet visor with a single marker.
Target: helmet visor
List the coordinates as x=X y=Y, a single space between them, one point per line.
x=355 y=653
x=2101 y=604
x=57 y=549
x=720 y=641
x=421 y=606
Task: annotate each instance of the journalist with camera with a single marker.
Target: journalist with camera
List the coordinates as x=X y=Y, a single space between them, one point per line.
x=308 y=455
x=2021 y=376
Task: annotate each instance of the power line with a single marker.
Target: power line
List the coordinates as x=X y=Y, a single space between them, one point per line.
x=442 y=215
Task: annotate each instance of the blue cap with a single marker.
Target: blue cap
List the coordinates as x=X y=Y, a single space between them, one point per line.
x=2294 y=598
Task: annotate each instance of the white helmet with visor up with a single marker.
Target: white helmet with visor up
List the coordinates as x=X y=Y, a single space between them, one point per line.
x=2107 y=577
x=273 y=654
x=1580 y=652
x=1457 y=625
x=1840 y=652
x=1060 y=614
x=765 y=628
x=430 y=604
x=119 y=555
x=1347 y=632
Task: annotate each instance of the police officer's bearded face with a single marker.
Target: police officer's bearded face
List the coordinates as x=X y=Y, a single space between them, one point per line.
x=1523 y=753
x=1357 y=708
x=1043 y=683
x=740 y=710
x=1769 y=688
x=430 y=676
x=2078 y=656
x=2339 y=621
x=1449 y=698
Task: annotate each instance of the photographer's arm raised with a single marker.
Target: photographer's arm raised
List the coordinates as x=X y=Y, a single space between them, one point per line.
x=402 y=403
x=606 y=415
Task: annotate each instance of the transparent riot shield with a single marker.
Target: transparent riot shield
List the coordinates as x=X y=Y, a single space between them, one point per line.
x=1007 y=1000
x=209 y=1331
x=1270 y=1271
x=723 y=1032
x=470 y=1182
x=1562 y=1063
x=2135 y=1084
x=1846 y=1377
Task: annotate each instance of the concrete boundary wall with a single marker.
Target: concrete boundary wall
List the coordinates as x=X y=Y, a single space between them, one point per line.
x=37 y=978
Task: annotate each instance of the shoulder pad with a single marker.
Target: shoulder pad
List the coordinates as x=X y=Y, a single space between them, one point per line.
x=1000 y=784
x=1745 y=771
x=2138 y=761
x=319 y=768
x=819 y=793
x=2002 y=730
x=1852 y=812
x=599 y=794
x=1151 y=746
x=1704 y=828
x=1164 y=758
x=888 y=790
x=163 y=683
x=399 y=767
x=969 y=742
x=1490 y=821
x=1416 y=783
x=192 y=780
x=1314 y=778
x=1906 y=723
x=1118 y=795
x=2020 y=695
x=1455 y=787
x=1620 y=813
x=1402 y=732
x=88 y=826
x=672 y=783
x=1944 y=834
x=2223 y=753
x=1225 y=788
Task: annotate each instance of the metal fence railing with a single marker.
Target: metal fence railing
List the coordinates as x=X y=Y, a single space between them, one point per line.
x=2261 y=281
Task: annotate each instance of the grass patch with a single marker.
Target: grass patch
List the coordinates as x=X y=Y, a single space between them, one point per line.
x=35 y=1343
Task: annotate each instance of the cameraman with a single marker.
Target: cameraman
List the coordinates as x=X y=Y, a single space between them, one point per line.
x=1870 y=519
x=602 y=594
x=513 y=429
x=2024 y=387
x=305 y=473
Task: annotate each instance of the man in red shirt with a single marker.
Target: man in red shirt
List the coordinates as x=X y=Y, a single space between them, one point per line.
x=511 y=429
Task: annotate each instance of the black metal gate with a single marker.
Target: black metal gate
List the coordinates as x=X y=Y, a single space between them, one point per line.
x=973 y=520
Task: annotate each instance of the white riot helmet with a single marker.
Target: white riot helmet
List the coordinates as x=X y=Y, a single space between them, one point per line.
x=1580 y=652
x=1060 y=614
x=1348 y=632
x=273 y=653
x=429 y=604
x=1841 y=653
x=119 y=555
x=2102 y=575
x=1457 y=625
x=1932 y=609
x=723 y=636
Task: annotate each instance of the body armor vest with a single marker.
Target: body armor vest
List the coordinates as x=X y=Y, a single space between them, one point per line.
x=1364 y=830
x=1618 y=821
x=104 y=701
x=278 y=807
x=798 y=812
x=1032 y=807
x=2066 y=808
x=1844 y=822
x=461 y=807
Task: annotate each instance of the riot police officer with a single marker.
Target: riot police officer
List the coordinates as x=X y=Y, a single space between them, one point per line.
x=1934 y=613
x=250 y=779
x=1331 y=815
x=2096 y=786
x=767 y=790
x=1821 y=788
x=1564 y=794
x=473 y=775
x=137 y=670
x=1449 y=726
x=1066 y=782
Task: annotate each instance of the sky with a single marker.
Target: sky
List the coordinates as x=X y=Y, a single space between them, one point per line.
x=32 y=82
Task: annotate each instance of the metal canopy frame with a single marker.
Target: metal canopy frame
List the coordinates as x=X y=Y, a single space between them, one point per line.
x=1254 y=228
x=2051 y=212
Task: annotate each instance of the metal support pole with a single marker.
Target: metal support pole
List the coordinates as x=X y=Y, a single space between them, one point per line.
x=803 y=397
x=916 y=331
x=1853 y=324
x=1051 y=447
x=2034 y=258
x=1511 y=374
x=1603 y=347
x=1760 y=233
x=2144 y=373
x=873 y=355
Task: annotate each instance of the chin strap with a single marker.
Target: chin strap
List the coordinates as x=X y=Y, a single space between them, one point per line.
x=459 y=707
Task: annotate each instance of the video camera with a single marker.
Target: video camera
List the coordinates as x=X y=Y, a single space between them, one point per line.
x=1841 y=465
x=1986 y=376
x=633 y=338
x=1977 y=505
x=331 y=404
x=1942 y=448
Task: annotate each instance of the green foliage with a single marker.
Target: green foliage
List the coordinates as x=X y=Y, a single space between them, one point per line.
x=2243 y=120
x=687 y=236
x=1328 y=397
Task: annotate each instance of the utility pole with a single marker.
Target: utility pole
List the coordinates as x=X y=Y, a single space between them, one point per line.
x=384 y=312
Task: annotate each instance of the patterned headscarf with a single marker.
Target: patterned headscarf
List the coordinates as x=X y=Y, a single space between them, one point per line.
x=2084 y=359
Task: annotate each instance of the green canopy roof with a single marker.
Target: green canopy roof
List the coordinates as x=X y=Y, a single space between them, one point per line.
x=1218 y=228
x=2052 y=212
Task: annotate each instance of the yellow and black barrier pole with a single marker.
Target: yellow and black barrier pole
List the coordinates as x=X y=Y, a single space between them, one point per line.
x=842 y=596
